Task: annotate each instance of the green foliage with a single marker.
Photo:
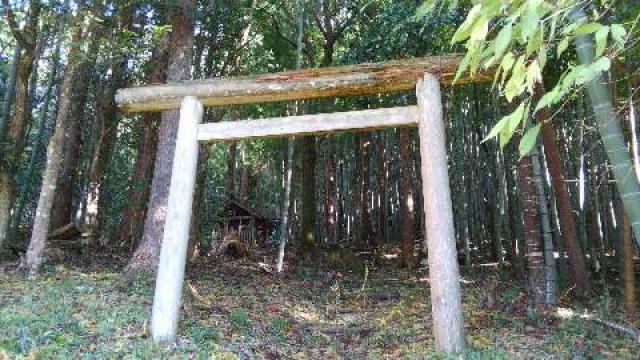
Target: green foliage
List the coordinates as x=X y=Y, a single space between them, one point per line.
x=513 y=37
x=240 y=320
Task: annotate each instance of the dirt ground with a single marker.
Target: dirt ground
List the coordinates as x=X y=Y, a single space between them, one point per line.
x=237 y=309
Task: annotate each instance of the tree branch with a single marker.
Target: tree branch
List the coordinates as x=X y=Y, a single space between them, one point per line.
x=13 y=25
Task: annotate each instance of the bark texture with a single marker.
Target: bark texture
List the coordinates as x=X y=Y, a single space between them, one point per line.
x=12 y=131
x=145 y=257
x=352 y=80
x=35 y=252
x=577 y=266
x=532 y=239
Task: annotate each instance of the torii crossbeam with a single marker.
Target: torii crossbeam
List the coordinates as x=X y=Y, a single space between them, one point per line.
x=422 y=74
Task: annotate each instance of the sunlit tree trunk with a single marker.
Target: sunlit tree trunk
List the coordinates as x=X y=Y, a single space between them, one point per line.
x=135 y=212
x=577 y=266
x=37 y=149
x=145 y=257
x=35 y=252
x=284 y=216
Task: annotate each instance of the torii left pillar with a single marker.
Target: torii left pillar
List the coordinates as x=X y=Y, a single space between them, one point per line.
x=173 y=254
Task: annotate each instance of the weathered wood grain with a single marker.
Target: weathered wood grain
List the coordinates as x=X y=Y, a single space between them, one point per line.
x=351 y=80
x=310 y=124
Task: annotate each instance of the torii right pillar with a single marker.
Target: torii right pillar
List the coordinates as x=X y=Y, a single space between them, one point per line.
x=444 y=274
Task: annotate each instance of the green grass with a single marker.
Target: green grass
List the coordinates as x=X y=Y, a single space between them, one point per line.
x=70 y=314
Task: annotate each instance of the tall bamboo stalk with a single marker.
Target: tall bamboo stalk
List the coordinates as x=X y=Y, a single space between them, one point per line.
x=551 y=283
x=610 y=131
x=284 y=216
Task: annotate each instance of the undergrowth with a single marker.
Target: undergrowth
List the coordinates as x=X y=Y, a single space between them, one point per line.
x=71 y=313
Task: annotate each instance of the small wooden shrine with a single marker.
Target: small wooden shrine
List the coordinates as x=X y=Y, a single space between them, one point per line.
x=252 y=225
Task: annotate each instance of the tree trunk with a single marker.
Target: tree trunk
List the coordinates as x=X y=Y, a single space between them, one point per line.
x=244 y=179
x=106 y=120
x=10 y=91
x=330 y=186
x=66 y=195
x=407 y=198
x=365 y=195
x=288 y=160
x=139 y=185
x=382 y=183
x=551 y=277
x=40 y=137
x=308 y=153
x=577 y=266
x=532 y=239
x=12 y=141
x=284 y=217
x=231 y=169
x=145 y=257
x=628 y=268
x=35 y=252
x=199 y=197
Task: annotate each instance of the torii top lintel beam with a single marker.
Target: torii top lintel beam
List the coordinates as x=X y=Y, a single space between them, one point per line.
x=350 y=80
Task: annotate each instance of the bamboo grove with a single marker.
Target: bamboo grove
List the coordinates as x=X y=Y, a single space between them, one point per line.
x=554 y=216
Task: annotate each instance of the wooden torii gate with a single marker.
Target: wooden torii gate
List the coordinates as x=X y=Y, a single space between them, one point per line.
x=423 y=74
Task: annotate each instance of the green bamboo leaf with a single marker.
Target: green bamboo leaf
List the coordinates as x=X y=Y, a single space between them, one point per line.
x=588 y=28
x=497 y=128
x=563 y=45
x=618 y=34
x=512 y=121
x=548 y=99
x=503 y=40
x=506 y=65
x=516 y=84
x=542 y=56
x=480 y=30
x=528 y=140
x=464 y=31
x=586 y=74
x=530 y=20
x=426 y=8
x=534 y=75
x=465 y=62
x=601 y=40
x=534 y=43
x=491 y=7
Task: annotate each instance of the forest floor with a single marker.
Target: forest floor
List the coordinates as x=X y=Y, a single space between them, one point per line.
x=235 y=309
